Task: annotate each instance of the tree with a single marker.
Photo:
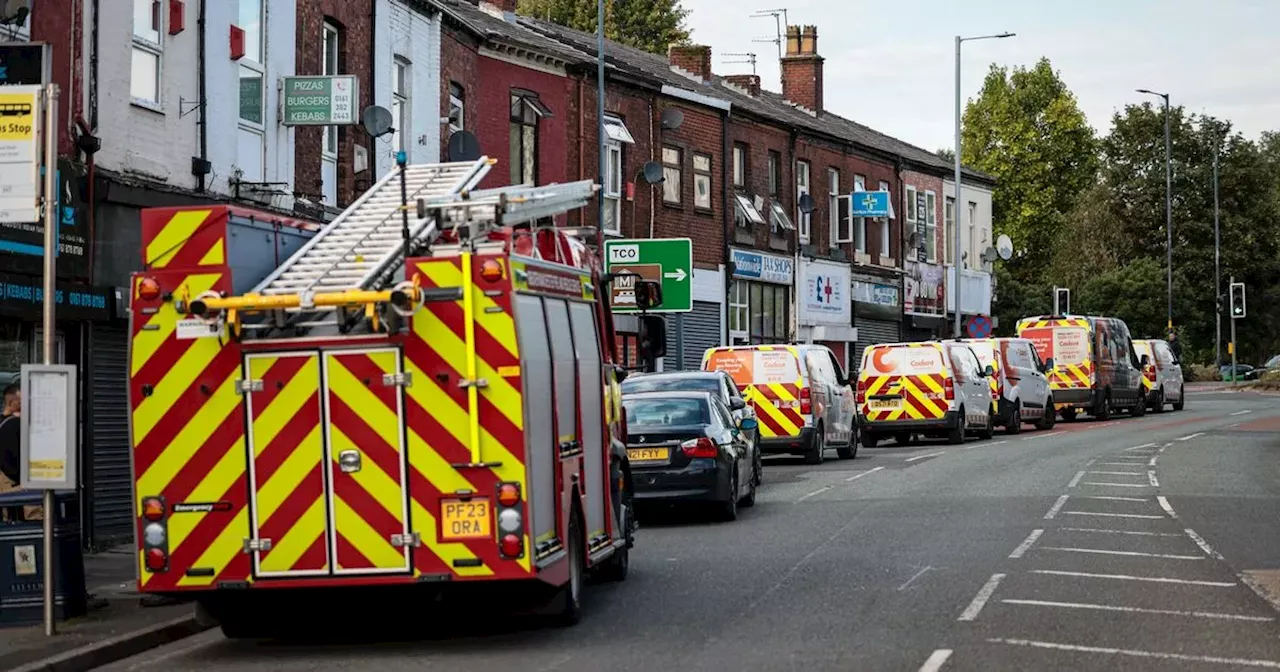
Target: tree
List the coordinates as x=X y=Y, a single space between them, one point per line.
x=651 y=25
x=1026 y=130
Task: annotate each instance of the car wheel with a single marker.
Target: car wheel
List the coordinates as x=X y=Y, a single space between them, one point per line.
x=570 y=597
x=817 y=451
x=1103 y=409
x=758 y=479
x=1015 y=422
x=750 y=500
x=1049 y=418
x=1139 y=409
x=729 y=508
x=869 y=440
x=1157 y=405
x=1182 y=399
x=989 y=431
x=955 y=436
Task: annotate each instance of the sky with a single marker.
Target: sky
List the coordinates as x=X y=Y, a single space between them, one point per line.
x=891 y=65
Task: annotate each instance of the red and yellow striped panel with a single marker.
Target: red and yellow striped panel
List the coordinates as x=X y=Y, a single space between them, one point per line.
x=922 y=397
x=1071 y=376
x=440 y=410
x=184 y=237
x=1041 y=323
x=369 y=506
x=777 y=408
x=287 y=440
x=188 y=437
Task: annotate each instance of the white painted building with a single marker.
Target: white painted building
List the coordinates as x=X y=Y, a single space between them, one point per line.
x=975 y=220
x=407 y=82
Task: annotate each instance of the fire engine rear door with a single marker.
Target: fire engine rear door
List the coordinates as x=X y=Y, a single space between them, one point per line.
x=368 y=507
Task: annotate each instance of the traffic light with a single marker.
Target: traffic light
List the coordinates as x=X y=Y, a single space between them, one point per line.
x=1237 y=300
x=1061 y=301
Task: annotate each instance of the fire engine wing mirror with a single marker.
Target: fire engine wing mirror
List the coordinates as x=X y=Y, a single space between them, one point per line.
x=619 y=374
x=655 y=336
x=648 y=294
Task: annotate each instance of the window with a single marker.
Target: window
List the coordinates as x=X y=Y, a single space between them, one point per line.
x=613 y=187
x=931 y=225
x=457 y=108
x=974 y=260
x=779 y=221
x=331 y=64
x=802 y=189
x=251 y=131
x=886 y=251
x=148 y=47
x=250 y=21
x=775 y=172
x=746 y=214
x=949 y=230
x=838 y=220
x=860 y=224
x=702 y=181
x=769 y=312
x=526 y=110
x=672 y=174
x=738 y=308
x=400 y=113
x=739 y=166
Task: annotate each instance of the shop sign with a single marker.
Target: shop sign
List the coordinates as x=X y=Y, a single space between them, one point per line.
x=875 y=293
x=923 y=285
x=823 y=295
x=763 y=267
x=23 y=296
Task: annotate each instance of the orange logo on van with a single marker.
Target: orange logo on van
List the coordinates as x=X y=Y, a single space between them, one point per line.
x=880 y=359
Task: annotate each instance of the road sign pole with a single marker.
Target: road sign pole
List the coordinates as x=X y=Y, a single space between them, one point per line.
x=1234 y=348
x=50 y=282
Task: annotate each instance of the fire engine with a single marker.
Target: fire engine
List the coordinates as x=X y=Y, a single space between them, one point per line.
x=423 y=391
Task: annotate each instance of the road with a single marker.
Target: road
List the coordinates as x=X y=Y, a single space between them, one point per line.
x=1137 y=544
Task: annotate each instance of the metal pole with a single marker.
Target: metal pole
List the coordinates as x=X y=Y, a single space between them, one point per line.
x=1217 y=266
x=402 y=160
x=1168 y=207
x=50 y=289
x=600 y=122
x=1233 y=343
x=959 y=217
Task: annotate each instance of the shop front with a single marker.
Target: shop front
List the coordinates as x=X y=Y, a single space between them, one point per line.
x=877 y=311
x=760 y=298
x=924 y=306
x=825 y=307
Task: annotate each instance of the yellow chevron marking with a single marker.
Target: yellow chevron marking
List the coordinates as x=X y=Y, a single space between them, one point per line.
x=212 y=487
x=436 y=335
x=376 y=548
x=297 y=468
x=448 y=552
x=174 y=457
x=286 y=552
x=216 y=256
x=147 y=342
x=297 y=391
x=381 y=486
x=162 y=249
x=222 y=551
x=453 y=418
x=446 y=274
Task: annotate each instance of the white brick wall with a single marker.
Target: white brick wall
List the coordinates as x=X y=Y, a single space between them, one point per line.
x=413 y=36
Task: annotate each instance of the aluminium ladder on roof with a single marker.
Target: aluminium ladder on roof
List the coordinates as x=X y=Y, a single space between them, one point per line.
x=482 y=210
x=358 y=247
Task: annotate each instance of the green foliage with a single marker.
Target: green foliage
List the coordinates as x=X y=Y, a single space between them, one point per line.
x=651 y=25
x=1133 y=292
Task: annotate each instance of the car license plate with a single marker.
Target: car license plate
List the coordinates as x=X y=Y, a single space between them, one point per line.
x=465 y=519
x=648 y=454
x=886 y=404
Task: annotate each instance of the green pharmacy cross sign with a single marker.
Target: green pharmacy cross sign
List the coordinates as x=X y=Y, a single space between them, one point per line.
x=665 y=260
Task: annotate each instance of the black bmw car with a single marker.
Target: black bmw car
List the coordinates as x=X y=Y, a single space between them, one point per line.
x=685 y=447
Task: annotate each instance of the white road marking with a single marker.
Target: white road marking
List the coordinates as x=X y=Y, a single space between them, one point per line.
x=1117 y=464
x=1116 y=499
x=1128 y=457
x=1135 y=653
x=1241 y=412
x=1204 y=545
x=1129 y=532
x=1164 y=504
x=1043 y=436
x=1234 y=425
x=1119 y=485
x=819 y=491
x=1141 y=610
x=1145 y=445
x=1117 y=473
x=1152 y=462
x=1131 y=554
x=1192 y=436
x=936 y=660
x=1151 y=478
x=857 y=476
x=980 y=600
x=1026 y=544
x=912 y=579
x=1076 y=480
x=1113 y=515
x=1129 y=577
x=921 y=457
x=1057 y=506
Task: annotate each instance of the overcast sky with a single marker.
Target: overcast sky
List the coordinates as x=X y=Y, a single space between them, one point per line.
x=891 y=65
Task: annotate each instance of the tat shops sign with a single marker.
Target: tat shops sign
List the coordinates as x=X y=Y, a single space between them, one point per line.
x=748 y=265
x=823 y=293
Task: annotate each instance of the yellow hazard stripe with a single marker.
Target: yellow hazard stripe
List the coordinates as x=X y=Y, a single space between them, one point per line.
x=160 y=326
x=169 y=241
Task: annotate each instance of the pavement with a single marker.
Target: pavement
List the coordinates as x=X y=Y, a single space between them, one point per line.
x=1137 y=544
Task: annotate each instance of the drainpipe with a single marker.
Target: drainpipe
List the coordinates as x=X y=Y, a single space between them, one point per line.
x=93 y=69
x=725 y=177
x=653 y=156
x=372 y=143
x=902 y=256
x=203 y=83
x=795 y=264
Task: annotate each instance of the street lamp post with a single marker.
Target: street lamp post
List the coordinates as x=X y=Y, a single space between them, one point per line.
x=1168 y=201
x=958 y=217
x=600 y=124
x=1217 y=267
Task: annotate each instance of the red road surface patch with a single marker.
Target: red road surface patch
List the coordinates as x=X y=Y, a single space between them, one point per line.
x=1261 y=425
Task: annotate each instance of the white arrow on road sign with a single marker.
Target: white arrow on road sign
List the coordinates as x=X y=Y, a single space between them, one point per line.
x=678 y=275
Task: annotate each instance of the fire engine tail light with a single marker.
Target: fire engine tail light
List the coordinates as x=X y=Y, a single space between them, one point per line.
x=491 y=271
x=148 y=289
x=511 y=546
x=510 y=521
x=153 y=509
x=157 y=560
x=155 y=534
x=508 y=494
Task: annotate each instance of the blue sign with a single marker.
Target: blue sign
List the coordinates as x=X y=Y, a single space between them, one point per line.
x=979 y=326
x=870 y=204
x=22 y=296
x=765 y=267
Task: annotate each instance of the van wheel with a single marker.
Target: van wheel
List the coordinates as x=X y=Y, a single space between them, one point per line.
x=569 y=611
x=1103 y=410
x=1069 y=415
x=1182 y=399
x=848 y=451
x=989 y=430
x=1139 y=409
x=1050 y=417
x=869 y=440
x=1157 y=406
x=817 y=451
x=955 y=436
x=1015 y=421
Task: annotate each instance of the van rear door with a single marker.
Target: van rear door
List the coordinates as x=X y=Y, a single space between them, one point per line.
x=1067 y=342
x=771 y=379
x=903 y=382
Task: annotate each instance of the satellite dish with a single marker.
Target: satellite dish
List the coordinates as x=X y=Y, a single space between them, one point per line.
x=672 y=118
x=806 y=204
x=464 y=146
x=652 y=173
x=377 y=120
x=1004 y=247
x=989 y=255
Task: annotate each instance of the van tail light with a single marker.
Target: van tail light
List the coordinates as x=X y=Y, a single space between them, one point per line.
x=949 y=388
x=806 y=401
x=862 y=392
x=700 y=447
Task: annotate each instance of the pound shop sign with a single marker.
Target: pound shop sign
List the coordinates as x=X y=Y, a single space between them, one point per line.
x=320 y=101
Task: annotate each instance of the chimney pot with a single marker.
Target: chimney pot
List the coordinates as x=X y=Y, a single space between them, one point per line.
x=802 y=81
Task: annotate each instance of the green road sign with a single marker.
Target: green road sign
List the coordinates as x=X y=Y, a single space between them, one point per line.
x=668 y=259
x=320 y=101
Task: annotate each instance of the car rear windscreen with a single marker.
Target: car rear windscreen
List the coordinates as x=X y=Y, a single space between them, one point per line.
x=902 y=360
x=756 y=367
x=1143 y=348
x=1065 y=345
x=671 y=384
x=666 y=412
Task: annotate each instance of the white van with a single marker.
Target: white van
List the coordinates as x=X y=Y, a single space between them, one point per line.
x=931 y=388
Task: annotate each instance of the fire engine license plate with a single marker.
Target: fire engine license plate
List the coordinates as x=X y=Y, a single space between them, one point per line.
x=886 y=404
x=465 y=520
x=648 y=454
